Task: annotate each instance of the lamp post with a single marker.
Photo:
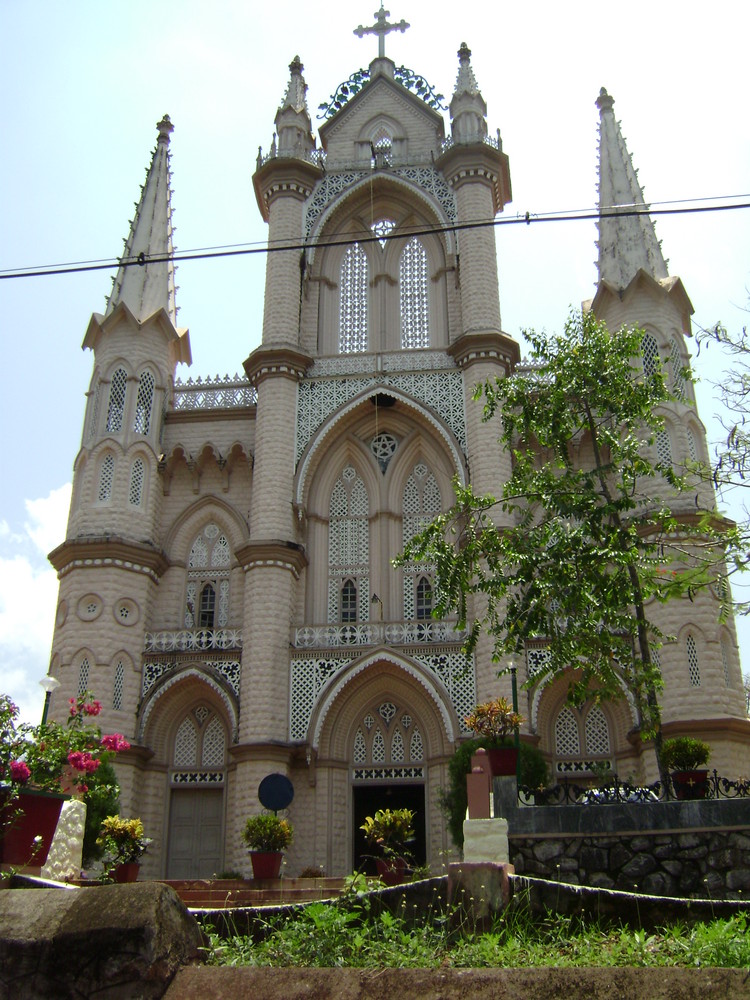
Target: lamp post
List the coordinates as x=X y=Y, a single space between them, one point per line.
x=514 y=689
x=49 y=684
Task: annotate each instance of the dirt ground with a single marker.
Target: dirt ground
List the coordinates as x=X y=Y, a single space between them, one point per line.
x=460 y=984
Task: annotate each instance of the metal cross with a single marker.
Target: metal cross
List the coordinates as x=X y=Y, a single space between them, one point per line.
x=381 y=29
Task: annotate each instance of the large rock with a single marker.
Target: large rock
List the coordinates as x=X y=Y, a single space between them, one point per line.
x=113 y=941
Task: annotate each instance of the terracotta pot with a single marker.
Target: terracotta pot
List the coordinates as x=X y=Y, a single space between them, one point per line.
x=391 y=870
x=503 y=761
x=38 y=813
x=127 y=871
x=266 y=864
x=690 y=784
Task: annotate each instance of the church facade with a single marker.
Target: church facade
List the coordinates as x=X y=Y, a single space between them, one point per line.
x=226 y=584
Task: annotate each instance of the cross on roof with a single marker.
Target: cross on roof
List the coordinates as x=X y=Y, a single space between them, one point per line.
x=381 y=28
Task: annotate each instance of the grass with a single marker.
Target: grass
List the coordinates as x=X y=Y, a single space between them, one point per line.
x=350 y=935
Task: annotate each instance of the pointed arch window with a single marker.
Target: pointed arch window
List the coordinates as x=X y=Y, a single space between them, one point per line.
x=664 y=448
x=421 y=501
x=144 y=404
x=650 y=353
x=137 y=475
x=677 y=369
x=354 y=280
x=412 y=274
x=207 y=592
x=200 y=741
x=106 y=478
x=390 y=737
x=694 y=669
x=349 y=549
x=116 y=409
x=692 y=446
x=84 y=672
x=118 y=687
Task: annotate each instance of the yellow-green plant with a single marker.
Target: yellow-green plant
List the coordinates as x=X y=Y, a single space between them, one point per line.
x=389 y=829
x=266 y=832
x=122 y=839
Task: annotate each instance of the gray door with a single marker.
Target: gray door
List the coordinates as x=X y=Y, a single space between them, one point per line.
x=195 y=825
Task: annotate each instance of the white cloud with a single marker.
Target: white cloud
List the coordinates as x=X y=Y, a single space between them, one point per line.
x=28 y=594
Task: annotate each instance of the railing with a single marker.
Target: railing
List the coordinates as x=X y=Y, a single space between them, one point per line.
x=569 y=794
x=374 y=634
x=188 y=640
x=214 y=394
x=478 y=137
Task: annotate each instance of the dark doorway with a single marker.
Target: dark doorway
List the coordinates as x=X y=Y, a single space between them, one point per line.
x=368 y=799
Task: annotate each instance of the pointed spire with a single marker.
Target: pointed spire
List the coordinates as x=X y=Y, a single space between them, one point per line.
x=626 y=243
x=145 y=288
x=468 y=110
x=293 y=122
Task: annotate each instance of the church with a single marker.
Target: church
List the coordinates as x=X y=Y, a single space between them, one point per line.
x=226 y=581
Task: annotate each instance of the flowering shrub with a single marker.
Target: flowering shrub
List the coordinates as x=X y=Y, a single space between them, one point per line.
x=122 y=840
x=494 y=720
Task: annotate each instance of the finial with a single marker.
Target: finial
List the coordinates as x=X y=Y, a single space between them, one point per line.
x=296 y=67
x=381 y=28
x=464 y=53
x=604 y=102
x=165 y=128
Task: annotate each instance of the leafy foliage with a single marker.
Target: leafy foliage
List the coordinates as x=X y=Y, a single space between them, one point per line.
x=266 y=832
x=583 y=536
x=122 y=840
x=494 y=719
x=684 y=753
x=389 y=829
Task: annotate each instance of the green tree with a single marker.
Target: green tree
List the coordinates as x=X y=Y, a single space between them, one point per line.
x=584 y=535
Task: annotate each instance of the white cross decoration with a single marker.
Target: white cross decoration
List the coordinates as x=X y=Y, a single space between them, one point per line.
x=381 y=29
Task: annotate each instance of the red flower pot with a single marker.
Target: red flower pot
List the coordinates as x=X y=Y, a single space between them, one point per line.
x=391 y=870
x=266 y=864
x=127 y=871
x=37 y=816
x=690 y=784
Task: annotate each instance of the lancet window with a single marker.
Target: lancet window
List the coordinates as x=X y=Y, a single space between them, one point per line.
x=677 y=369
x=207 y=595
x=200 y=741
x=118 y=687
x=116 y=409
x=412 y=276
x=349 y=549
x=581 y=738
x=650 y=352
x=387 y=736
x=420 y=503
x=694 y=669
x=144 y=403
x=137 y=475
x=106 y=478
x=353 y=315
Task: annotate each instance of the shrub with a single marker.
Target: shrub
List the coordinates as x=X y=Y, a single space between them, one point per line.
x=683 y=753
x=266 y=832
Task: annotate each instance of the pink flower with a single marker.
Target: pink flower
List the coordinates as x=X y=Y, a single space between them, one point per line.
x=73 y=709
x=79 y=760
x=19 y=771
x=93 y=708
x=115 y=742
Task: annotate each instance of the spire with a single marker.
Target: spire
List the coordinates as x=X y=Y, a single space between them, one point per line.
x=293 y=123
x=626 y=243
x=145 y=288
x=468 y=110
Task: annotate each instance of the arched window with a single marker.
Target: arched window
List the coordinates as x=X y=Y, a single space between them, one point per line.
x=353 y=313
x=664 y=448
x=118 y=687
x=412 y=275
x=207 y=593
x=421 y=501
x=650 y=352
x=349 y=549
x=84 y=672
x=691 y=445
x=567 y=741
x=725 y=661
x=94 y=412
x=597 y=732
x=388 y=736
x=116 y=409
x=106 y=478
x=137 y=474
x=694 y=670
x=200 y=740
x=144 y=403
x=186 y=744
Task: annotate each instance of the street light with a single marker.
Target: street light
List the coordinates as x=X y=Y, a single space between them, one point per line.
x=514 y=690
x=49 y=684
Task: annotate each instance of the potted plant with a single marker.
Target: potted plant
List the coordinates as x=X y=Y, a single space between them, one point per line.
x=124 y=844
x=495 y=721
x=267 y=837
x=390 y=830
x=41 y=766
x=685 y=758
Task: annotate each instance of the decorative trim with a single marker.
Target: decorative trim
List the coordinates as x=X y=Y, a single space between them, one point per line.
x=109 y=550
x=274 y=552
x=213 y=394
x=387 y=773
x=178 y=672
x=196 y=778
x=195 y=640
x=267 y=361
x=473 y=348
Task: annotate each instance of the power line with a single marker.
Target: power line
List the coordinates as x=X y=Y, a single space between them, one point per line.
x=246 y=249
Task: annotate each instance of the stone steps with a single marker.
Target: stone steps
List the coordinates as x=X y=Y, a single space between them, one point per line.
x=215 y=894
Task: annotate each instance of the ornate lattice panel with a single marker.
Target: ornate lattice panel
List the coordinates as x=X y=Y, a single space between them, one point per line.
x=663 y=447
x=382 y=229
x=335 y=183
x=421 y=501
x=416 y=747
x=442 y=391
x=83 y=676
x=387 y=773
x=412 y=272
x=229 y=670
x=567 y=741
x=360 y=748
x=369 y=363
x=691 y=445
x=694 y=670
x=537 y=658
x=597 y=732
x=677 y=369
x=650 y=352
x=213 y=394
x=348 y=544
x=119 y=686
x=143 y=404
x=197 y=778
x=310 y=673
x=209 y=563
x=214 y=744
x=106 y=478
x=383 y=448
x=354 y=292
x=137 y=472
x=116 y=408
x=186 y=744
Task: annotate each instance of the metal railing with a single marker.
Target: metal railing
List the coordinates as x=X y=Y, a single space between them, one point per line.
x=710 y=786
x=336 y=635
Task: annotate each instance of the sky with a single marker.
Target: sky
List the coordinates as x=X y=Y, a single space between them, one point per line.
x=85 y=82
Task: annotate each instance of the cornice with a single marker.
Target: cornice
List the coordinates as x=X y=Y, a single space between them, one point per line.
x=287 y=362
x=108 y=550
x=272 y=552
x=464 y=163
x=475 y=348
x=284 y=176
x=268 y=750
x=708 y=729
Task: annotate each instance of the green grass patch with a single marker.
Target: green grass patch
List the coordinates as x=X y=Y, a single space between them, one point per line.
x=351 y=935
